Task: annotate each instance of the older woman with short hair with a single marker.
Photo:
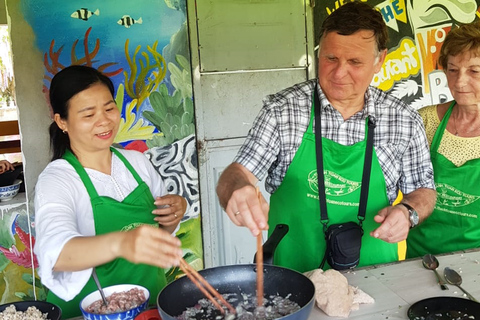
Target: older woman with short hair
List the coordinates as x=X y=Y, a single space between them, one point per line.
x=453 y=131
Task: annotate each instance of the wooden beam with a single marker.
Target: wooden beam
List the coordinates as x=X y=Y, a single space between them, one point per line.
x=9 y=128
x=12 y=146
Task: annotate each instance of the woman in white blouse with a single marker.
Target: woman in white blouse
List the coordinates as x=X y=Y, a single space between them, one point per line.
x=97 y=206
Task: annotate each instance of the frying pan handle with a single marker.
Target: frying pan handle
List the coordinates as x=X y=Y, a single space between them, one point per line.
x=272 y=242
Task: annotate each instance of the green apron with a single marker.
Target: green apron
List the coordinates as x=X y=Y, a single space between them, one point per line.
x=296 y=203
x=109 y=216
x=454 y=224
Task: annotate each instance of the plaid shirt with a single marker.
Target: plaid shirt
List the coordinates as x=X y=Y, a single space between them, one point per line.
x=400 y=142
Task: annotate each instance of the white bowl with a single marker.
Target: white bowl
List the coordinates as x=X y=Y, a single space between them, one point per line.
x=125 y=315
x=9 y=192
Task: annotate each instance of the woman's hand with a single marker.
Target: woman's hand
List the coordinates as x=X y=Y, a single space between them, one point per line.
x=5 y=165
x=170 y=210
x=151 y=245
x=147 y=244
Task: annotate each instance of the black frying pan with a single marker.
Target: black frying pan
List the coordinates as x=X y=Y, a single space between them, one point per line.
x=53 y=311
x=444 y=308
x=182 y=293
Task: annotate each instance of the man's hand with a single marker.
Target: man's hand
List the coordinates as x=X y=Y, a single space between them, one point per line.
x=238 y=196
x=395 y=221
x=394 y=224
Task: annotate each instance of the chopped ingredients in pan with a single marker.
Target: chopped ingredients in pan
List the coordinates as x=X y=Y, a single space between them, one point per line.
x=246 y=308
x=32 y=313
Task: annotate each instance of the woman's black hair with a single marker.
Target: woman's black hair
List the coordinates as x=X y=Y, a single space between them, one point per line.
x=66 y=84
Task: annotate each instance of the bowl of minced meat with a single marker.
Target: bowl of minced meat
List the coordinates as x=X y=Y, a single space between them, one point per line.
x=125 y=301
x=30 y=310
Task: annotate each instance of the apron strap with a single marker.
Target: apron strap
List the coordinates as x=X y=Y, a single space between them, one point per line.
x=127 y=164
x=70 y=157
x=367 y=166
x=92 y=192
x=441 y=130
x=318 y=148
x=367 y=169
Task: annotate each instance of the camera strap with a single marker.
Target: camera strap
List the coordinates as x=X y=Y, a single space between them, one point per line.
x=367 y=166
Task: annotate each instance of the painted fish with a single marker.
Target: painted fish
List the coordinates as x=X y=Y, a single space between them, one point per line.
x=127 y=21
x=84 y=14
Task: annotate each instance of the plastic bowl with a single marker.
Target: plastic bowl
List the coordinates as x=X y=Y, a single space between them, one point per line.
x=125 y=315
x=8 y=192
x=53 y=311
x=150 y=314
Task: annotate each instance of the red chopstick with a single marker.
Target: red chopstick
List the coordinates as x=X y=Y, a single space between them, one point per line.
x=203 y=285
x=259 y=262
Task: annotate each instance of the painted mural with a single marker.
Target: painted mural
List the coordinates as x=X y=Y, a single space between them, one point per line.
x=142 y=46
x=417 y=29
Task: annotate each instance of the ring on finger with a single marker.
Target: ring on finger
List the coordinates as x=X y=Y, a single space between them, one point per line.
x=236 y=213
x=175 y=215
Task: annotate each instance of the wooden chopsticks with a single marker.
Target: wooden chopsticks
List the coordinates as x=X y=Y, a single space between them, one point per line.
x=203 y=285
x=259 y=261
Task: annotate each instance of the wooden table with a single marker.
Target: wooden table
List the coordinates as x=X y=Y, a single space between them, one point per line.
x=395 y=287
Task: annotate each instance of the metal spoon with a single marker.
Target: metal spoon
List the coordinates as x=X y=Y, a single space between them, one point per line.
x=454 y=278
x=430 y=262
x=95 y=278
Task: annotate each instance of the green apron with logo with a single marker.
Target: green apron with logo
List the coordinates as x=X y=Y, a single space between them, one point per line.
x=109 y=216
x=454 y=223
x=296 y=203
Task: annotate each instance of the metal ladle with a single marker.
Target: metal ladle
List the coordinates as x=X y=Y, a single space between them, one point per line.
x=430 y=262
x=95 y=278
x=454 y=278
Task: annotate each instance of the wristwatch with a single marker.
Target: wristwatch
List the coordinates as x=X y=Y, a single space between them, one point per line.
x=412 y=215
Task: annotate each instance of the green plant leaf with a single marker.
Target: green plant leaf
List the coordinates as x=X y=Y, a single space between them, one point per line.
x=153 y=118
x=188 y=106
x=119 y=96
x=21 y=295
x=27 y=277
x=159 y=104
x=177 y=100
x=182 y=62
x=157 y=141
x=187 y=118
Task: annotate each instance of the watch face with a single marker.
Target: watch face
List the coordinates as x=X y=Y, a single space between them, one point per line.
x=413 y=218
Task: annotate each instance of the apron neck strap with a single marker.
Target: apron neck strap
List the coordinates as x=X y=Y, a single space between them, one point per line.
x=441 y=129
x=367 y=167
x=72 y=159
x=92 y=192
x=127 y=164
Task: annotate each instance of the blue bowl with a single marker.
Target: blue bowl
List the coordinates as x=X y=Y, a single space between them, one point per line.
x=125 y=315
x=8 y=192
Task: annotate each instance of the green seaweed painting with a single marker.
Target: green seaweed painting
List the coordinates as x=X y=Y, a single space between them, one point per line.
x=172 y=115
x=144 y=76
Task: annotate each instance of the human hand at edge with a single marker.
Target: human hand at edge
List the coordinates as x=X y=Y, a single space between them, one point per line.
x=5 y=165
